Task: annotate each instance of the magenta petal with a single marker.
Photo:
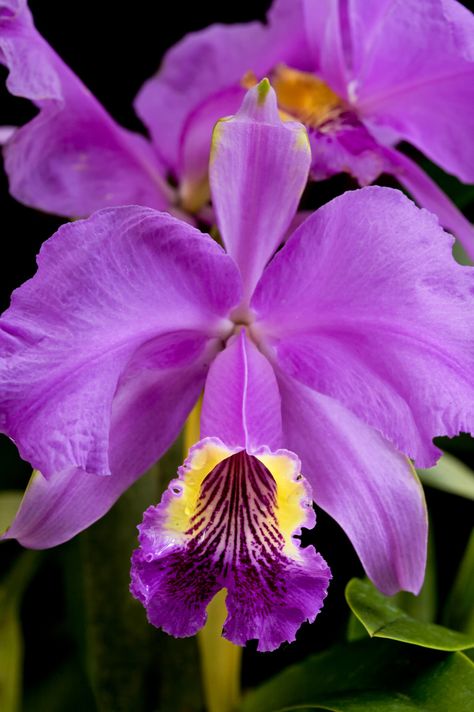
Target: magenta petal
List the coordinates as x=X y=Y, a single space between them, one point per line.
x=327 y=36
x=428 y=195
x=347 y=147
x=148 y=414
x=258 y=170
x=72 y=158
x=241 y=401
x=366 y=304
x=226 y=523
x=210 y=63
x=369 y=488
x=413 y=71
x=109 y=295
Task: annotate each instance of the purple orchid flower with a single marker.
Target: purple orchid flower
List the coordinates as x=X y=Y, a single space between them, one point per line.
x=72 y=158
x=361 y=75
x=336 y=66
x=348 y=351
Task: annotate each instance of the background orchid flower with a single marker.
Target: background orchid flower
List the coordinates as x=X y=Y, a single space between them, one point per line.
x=362 y=76
x=72 y=158
x=348 y=351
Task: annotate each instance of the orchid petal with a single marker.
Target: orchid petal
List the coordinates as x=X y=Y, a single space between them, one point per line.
x=211 y=64
x=369 y=488
x=327 y=36
x=366 y=304
x=230 y=521
x=413 y=71
x=347 y=148
x=72 y=158
x=147 y=416
x=428 y=195
x=258 y=170
x=241 y=400
x=127 y=290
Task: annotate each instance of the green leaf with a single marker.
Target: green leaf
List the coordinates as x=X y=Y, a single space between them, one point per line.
x=450 y=475
x=9 y=503
x=355 y=629
x=11 y=657
x=11 y=642
x=459 y=610
x=370 y=676
x=383 y=619
x=422 y=607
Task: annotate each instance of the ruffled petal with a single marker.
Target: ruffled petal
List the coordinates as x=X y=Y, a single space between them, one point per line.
x=413 y=71
x=230 y=521
x=210 y=63
x=428 y=195
x=72 y=158
x=241 y=401
x=258 y=170
x=366 y=304
x=125 y=291
x=369 y=488
x=148 y=413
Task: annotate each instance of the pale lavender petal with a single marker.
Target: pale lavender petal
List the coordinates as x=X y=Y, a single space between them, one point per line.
x=241 y=400
x=72 y=158
x=108 y=296
x=428 y=195
x=324 y=22
x=148 y=413
x=195 y=147
x=230 y=521
x=258 y=170
x=413 y=71
x=366 y=304
x=210 y=62
x=369 y=488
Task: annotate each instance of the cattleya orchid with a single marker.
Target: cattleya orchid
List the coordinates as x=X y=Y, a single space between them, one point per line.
x=362 y=76
x=346 y=350
x=72 y=158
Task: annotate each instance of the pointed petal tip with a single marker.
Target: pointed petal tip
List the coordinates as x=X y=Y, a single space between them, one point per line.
x=260 y=104
x=263 y=88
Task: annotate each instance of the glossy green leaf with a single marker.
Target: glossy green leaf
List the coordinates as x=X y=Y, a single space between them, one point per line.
x=450 y=475
x=11 y=642
x=370 y=676
x=355 y=629
x=422 y=607
x=459 y=609
x=9 y=503
x=383 y=619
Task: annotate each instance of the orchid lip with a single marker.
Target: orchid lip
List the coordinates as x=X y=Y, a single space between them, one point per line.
x=232 y=520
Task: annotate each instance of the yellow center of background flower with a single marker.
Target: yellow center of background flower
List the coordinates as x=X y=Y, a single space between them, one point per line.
x=301 y=95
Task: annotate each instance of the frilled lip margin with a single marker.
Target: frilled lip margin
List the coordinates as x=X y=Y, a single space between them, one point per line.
x=230 y=521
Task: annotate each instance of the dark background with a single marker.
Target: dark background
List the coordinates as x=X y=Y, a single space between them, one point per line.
x=114 y=48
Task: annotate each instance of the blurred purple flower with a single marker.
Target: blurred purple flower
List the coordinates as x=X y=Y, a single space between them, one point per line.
x=362 y=75
x=351 y=346
x=72 y=158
